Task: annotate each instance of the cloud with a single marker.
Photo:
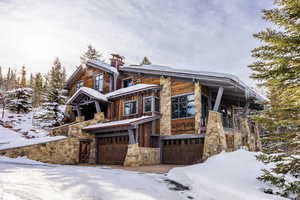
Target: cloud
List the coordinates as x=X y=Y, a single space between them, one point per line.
x=206 y=35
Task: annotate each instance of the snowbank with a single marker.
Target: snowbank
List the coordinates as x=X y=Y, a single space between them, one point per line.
x=225 y=176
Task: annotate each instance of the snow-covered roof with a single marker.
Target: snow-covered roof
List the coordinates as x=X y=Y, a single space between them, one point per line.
x=193 y=74
x=74 y=74
x=103 y=66
x=126 y=122
x=89 y=92
x=131 y=89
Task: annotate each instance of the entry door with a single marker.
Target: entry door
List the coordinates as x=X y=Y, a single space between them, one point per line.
x=84 y=151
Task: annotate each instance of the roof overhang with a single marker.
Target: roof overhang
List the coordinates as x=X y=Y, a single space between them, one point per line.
x=84 y=92
x=120 y=125
x=232 y=85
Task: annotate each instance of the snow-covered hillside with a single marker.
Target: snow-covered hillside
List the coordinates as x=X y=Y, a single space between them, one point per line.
x=228 y=176
x=17 y=130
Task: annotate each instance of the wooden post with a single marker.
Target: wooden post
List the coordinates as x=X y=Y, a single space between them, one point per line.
x=246 y=109
x=78 y=111
x=218 y=99
x=131 y=136
x=98 y=109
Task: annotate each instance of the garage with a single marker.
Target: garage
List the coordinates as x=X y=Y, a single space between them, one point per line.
x=112 y=150
x=182 y=151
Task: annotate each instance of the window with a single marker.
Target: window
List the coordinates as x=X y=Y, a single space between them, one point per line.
x=151 y=103
x=130 y=107
x=99 y=82
x=79 y=84
x=183 y=106
x=127 y=82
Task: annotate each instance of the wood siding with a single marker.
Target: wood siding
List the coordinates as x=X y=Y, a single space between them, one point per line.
x=88 y=77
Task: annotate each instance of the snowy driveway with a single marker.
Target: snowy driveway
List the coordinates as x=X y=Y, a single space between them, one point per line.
x=60 y=182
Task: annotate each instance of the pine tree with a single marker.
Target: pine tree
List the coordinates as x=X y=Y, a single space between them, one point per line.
x=38 y=90
x=278 y=69
x=145 y=61
x=23 y=78
x=31 y=81
x=19 y=100
x=91 y=54
x=7 y=80
x=52 y=113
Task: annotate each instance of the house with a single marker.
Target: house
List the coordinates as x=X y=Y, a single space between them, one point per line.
x=151 y=114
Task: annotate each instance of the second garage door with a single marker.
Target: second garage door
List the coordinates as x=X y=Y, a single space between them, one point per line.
x=112 y=150
x=182 y=151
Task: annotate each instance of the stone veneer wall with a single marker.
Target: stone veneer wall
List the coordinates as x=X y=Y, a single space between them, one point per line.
x=64 y=151
x=237 y=139
x=165 y=106
x=198 y=107
x=75 y=131
x=137 y=156
x=215 y=140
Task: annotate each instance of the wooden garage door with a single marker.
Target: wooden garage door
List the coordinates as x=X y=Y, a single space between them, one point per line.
x=183 y=151
x=112 y=150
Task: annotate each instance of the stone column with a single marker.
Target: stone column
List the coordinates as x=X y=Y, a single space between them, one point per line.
x=237 y=140
x=165 y=106
x=215 y=140
x=133 y=157
x=250 y=137
x=257 y=138
x=198 y=107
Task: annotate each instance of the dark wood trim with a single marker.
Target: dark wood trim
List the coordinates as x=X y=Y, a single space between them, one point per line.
x=111 y=135
x=104 y=130
x=183 y=136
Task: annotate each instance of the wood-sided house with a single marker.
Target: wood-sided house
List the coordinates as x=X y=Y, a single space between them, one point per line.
x=150 y=114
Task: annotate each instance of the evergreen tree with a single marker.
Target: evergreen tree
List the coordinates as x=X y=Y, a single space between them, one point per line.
x=31 y=81
x=19 y=100
x=52 y=113
x=91 y=54
x=145 y=61
x=23 y=78
x=278 y=68
x=38 y=90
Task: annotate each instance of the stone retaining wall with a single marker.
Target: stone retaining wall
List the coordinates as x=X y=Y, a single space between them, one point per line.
x=64 y=151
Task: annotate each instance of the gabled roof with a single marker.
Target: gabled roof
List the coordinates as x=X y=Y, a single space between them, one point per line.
x=122 y=123
x=94 y=94
x=92 y=63
x=131 y=89
x=208 y=78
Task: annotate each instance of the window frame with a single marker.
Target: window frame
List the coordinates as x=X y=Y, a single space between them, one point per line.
x=137 y=107
x=179 y=95
x=152 y=104
x=99 y=75
x=127 y=79
x=81 y=85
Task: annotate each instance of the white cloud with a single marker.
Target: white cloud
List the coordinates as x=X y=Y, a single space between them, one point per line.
x=208 y=35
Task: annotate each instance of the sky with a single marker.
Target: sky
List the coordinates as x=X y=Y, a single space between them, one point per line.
x=210 y=35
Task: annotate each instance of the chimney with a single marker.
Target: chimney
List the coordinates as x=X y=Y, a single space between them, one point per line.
x=117 y=60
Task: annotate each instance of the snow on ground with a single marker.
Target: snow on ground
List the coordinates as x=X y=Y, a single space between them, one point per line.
x=228 y=176
x=224 y=176
x=57 y=182
x=21 y=133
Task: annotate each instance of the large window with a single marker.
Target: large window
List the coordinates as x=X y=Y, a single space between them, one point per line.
x=127 y=82
x=79 y=84
x=99 y=82
x=151 y=104
x=183 y=106
x=130 y=108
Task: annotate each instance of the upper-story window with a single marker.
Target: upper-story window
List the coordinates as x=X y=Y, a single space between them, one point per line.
x=183 y=106
x=151 y=104
x=130 y=107
x=79 y=84
x=127 y=82
x=99 y=82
